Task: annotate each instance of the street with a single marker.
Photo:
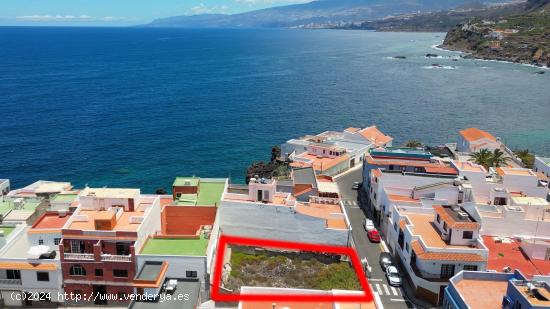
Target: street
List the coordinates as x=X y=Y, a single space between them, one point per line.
x=391 y=297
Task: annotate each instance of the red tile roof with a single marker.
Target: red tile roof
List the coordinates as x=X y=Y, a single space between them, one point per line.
x=444 y=256
x=374 y=135
x=474 y=134
x=503 y=255
x=441 y=170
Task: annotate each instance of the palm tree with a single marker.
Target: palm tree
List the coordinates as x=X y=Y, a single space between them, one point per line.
x=413 y=143
x=526 y=157
x=482 y=157
x=498 y=158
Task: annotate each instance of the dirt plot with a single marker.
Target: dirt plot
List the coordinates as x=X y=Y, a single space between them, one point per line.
x=290 y=270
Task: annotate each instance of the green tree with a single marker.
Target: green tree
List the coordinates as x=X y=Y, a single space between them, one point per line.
x=413 y=143
x=161 y=191
x=526 y=157
x=482 y=157
x=498 y=158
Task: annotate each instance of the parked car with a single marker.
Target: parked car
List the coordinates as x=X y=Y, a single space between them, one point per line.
x=170 y=286
x=394 y=278
x=385 y=260
x=373 y=235
x=369 y=225
x=356 y=185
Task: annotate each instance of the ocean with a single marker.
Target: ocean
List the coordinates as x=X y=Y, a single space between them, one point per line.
x=130 y=107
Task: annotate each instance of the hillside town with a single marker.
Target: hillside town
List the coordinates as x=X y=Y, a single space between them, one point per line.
x=461 y=225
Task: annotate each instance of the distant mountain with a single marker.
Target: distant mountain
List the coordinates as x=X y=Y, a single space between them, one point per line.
x=316 y=12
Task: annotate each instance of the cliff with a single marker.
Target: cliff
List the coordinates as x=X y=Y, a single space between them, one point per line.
x=523 y=38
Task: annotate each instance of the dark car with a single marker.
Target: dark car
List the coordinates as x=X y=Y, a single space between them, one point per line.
x=385 y=260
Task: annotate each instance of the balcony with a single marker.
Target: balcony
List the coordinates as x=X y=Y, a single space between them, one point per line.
x=79 y=256
x=116 y=258
x=10 y=281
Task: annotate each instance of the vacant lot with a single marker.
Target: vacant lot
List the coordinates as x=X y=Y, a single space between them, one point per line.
x=290 y=270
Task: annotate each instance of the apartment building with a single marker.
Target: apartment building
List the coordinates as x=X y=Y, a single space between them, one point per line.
x=30 y=264
x=542 y=165
x=389 y=188
x=475 y=290
x=101 y=239
x=433 y=245
x=260 y=210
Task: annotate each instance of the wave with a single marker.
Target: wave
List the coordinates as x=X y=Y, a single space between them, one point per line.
x=443 y=67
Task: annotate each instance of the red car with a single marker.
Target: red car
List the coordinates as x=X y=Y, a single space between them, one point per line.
x=373 y=236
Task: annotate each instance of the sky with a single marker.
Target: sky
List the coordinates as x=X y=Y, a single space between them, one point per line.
x=118 y=12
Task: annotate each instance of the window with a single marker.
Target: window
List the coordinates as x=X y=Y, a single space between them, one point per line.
x=40 y=242
x=467 y=235
x=77 y=270
x=120 y=273
x=395 y=226
x=407 y=247
x=13 y=274
x=470 y=267
x=99 y=272
x=42 y=276
x=56 y=241
x=77 y=246
x=445 y=226
x=122 y=249
x=438 y=218
x=447 y=270
x=191 y=274
x=178 y=195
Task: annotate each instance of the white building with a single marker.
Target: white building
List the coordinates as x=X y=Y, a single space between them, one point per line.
x=542 y=165
x=473 y=140
x=433 y=245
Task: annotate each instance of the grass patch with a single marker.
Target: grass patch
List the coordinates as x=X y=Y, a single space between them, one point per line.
x=290 y=270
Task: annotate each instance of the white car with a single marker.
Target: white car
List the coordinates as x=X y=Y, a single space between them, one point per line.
x=394 y=278
x=171 y=286
x=369 y=225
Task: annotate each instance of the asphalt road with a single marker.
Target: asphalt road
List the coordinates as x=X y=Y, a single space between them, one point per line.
x=391 y=297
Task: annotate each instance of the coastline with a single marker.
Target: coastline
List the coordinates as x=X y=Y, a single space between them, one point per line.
x=471 y=55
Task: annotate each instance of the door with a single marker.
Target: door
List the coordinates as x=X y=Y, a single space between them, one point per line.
x=100 y=290
x=260 y=195
x=547 y=257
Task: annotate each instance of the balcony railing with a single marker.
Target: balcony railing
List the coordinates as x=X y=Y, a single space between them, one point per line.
x=116 y=258
x=79 y=256
x=10 y=281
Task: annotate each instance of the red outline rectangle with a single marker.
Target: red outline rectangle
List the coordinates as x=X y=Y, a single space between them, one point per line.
x=224 y=240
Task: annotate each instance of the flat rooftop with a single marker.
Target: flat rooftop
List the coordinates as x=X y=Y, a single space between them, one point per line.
x=469 y=167
x=51 y=221
x=149 y=271
x=210 y=194
x=122 y=224
x=514 y=171
x=6 y=229
x=175 y=246
x=543 y=301
x=110 y=192
x=191 y=288
x=64 y=198
x=424 y=227
x=527 y=200
x=186 y=182
x=482 y=294
x=506 y=252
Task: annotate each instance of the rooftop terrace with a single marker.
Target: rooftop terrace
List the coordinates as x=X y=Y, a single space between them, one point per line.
x=63 y=198
x=86 y=220
x=209 y=194
x=176 y=246
x=482 y=294
x=110 y=192
x=424 y=227
x=51 y=220
x=6 y=229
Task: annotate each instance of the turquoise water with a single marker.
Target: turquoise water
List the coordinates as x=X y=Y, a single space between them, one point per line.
x=136 y=107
